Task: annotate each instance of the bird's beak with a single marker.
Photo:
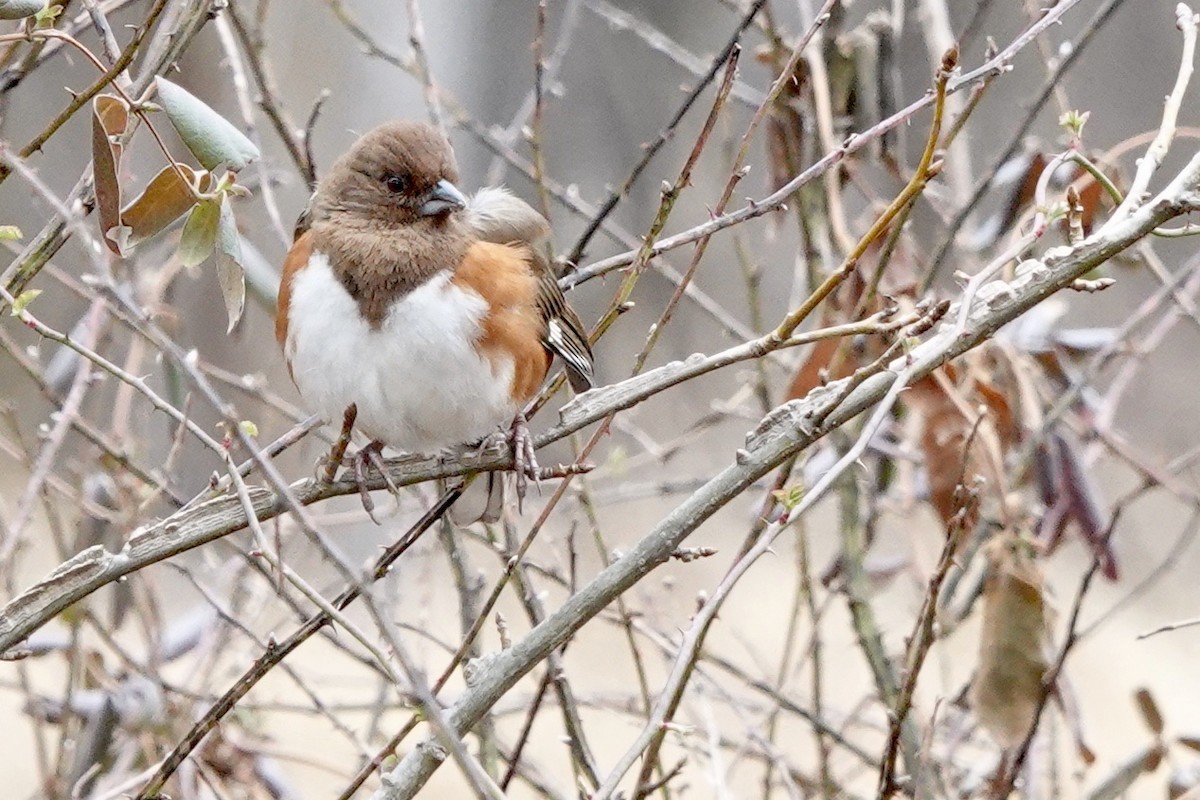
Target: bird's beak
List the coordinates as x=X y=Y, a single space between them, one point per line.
x=444 y=197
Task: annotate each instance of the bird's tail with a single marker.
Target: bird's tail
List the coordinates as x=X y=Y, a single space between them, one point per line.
x=481 y=501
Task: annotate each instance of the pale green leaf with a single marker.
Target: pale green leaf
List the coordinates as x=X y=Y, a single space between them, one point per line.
x=199 y=233
x=230 y=274
x=47 y=16
x=213 y=140
x=10 y=233
x=19 y=9
x=24 y=299
x=248 y=427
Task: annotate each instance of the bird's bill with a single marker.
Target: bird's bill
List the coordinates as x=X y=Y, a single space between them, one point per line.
x=444 y=197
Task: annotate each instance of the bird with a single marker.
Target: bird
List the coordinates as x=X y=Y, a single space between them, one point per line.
x=423 y=317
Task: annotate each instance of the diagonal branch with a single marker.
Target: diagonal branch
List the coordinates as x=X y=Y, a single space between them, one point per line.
x=785 y=432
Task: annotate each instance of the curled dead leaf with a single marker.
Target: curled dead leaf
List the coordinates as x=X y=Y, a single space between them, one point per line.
x=1007 y=690
x=110 y=121
x=165 y=199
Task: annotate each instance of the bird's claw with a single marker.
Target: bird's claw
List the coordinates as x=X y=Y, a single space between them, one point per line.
x=371 y=456
x=359 y=464
x=524 y=458
x=368 y=456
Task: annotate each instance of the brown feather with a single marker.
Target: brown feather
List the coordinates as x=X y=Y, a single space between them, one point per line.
x=297 y=259
x=496 y=215
x=503 y=275
x=571 y=344
x=379 y=245
x=379 y=263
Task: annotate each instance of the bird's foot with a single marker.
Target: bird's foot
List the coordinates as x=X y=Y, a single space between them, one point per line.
x=370 y=455
x=491 y=445
x=524 y=458
x=367 y=457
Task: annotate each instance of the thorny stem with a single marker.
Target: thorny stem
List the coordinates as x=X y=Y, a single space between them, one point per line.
x=79 y=100
x=923 y=633
x=615 y=196
x=916 y=185
x=276 y=652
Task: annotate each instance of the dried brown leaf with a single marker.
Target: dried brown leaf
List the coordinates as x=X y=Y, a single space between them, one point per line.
x=1149 y=710
x=943 y=435
x=1069 y=492
x=165 y=199
x=1086 y=507
x=1000 y=413
x=1007 y=690
x=110 y=121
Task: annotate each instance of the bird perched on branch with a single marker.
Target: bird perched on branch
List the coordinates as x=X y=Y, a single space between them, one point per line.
x=436 y=317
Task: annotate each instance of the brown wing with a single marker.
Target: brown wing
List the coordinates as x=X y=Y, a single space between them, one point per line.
x=496 y=215
x=565 y=335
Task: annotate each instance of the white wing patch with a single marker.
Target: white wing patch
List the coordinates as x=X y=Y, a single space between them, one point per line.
x=555 y=335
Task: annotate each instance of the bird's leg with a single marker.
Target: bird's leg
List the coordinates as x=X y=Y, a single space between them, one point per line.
x=369 y=455
x=359 y=464
x=373 y=454
x=330 y=462
x=524 y=459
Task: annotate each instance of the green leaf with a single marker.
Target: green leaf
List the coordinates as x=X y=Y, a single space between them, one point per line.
x=199 y=233
x=110 y=120
x=1073 y=121
x=19 y=9
x=230 y=274
x=24 y=299
x=47 y=16
x=213 y=140
x=248 y=427
x=790 y=496
x=165 y=199
x=10 y=233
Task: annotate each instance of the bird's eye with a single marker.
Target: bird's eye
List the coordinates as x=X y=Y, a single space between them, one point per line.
x=395 y=183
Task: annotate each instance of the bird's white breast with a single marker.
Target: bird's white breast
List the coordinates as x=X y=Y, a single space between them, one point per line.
x=418 y=379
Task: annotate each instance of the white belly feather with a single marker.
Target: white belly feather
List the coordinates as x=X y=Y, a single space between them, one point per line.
x=418 y=380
